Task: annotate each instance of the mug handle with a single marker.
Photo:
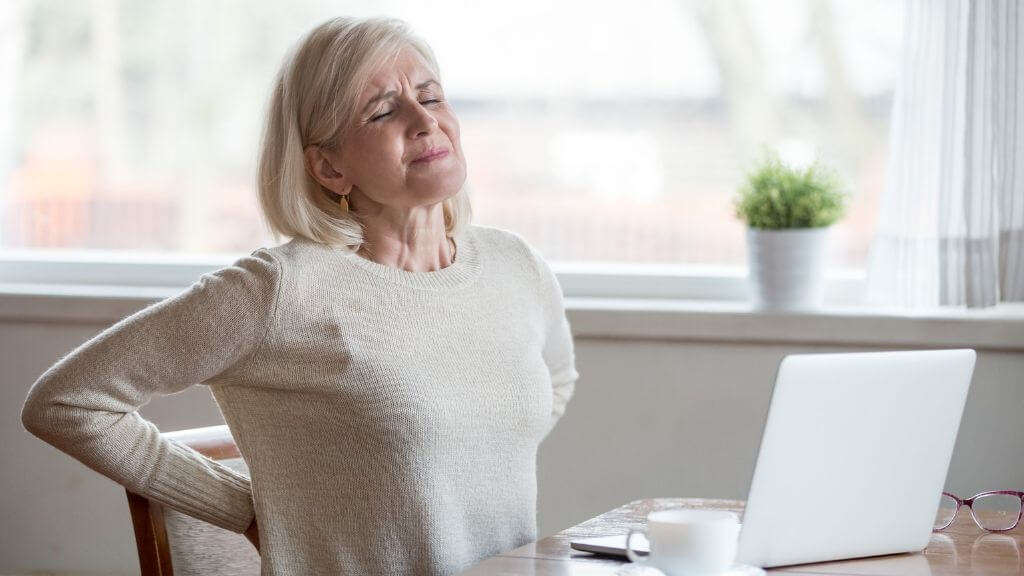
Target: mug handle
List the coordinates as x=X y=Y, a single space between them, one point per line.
x=633 y=556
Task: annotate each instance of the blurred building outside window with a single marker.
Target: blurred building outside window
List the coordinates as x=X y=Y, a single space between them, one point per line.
x=604 y=133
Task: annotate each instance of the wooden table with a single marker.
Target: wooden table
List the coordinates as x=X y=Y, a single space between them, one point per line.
x=963 y=548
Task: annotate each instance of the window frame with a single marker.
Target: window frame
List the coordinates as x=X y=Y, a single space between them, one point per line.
x=92 y=272
x=602 y=301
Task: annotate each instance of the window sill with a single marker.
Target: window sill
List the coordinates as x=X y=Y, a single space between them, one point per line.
x=1000 y=328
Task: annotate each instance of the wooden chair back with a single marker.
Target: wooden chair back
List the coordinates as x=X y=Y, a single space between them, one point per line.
x=167 y=539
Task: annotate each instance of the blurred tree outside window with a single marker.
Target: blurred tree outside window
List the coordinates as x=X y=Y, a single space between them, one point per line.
x=602 y=132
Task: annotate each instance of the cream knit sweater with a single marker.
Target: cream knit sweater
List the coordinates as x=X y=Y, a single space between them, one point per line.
x=390 y=419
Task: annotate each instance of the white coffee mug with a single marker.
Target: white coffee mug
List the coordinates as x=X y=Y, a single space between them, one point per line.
x=689 y=542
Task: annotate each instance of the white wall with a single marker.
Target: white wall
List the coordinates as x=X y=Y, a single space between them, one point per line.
x=651 y=417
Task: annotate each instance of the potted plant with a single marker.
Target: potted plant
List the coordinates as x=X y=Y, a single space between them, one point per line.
x=788 y=212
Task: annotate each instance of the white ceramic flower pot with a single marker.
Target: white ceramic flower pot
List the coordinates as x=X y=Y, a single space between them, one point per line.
x=787 y=268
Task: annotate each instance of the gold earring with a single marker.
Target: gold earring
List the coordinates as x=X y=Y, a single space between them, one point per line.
x=343 y=202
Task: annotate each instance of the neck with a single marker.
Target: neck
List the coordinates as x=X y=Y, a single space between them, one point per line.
x=413 y=239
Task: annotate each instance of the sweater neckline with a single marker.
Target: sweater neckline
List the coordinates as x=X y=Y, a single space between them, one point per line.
x=458 y=273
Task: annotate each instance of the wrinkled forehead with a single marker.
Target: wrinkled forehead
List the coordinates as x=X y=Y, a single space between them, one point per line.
x=406 y=64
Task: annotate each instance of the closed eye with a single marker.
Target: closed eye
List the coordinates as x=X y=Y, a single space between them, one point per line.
x=383 y=115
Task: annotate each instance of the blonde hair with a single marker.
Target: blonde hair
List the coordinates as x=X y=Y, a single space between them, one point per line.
x=315 y=96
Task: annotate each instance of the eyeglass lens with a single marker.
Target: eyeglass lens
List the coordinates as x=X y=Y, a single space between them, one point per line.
x=947 y=509
x=996 y=511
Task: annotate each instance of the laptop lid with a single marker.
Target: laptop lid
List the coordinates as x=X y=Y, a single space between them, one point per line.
x=854 y=455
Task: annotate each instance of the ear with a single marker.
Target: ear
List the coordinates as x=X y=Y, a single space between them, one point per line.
x=322 y=168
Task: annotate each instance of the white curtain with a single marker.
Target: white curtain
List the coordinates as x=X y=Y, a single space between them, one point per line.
x=951 y=225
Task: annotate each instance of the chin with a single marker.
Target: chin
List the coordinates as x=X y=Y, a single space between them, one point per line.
x=448 y=194
x=442 y=188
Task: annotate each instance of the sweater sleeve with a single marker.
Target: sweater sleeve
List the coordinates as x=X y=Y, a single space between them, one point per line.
x=558 y=351
x=87 y=403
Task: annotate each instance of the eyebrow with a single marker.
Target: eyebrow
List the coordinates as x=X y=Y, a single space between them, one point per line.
x=392 y=93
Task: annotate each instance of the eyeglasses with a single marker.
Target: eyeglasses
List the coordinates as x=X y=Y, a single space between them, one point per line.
x=995 y=511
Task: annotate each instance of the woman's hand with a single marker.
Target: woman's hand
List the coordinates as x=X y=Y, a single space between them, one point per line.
x=253 y=534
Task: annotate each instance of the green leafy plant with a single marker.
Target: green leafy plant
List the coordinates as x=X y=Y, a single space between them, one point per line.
x=776 y=196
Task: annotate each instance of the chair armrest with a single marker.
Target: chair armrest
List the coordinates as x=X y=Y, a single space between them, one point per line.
x=214 y=442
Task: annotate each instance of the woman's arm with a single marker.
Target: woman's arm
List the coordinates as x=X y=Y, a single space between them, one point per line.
x=558 y=351
x=86 y=404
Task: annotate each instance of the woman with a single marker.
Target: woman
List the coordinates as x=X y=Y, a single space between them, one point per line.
x=388 y=374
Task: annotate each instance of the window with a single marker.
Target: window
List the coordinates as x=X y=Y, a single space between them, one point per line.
x=602 y=132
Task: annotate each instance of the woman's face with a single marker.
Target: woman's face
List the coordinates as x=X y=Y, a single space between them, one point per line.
x=404 y=149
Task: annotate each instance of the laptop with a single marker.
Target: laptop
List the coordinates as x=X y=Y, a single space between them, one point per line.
x=853 y=457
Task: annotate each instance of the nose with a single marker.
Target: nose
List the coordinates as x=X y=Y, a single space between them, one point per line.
x=423 y=122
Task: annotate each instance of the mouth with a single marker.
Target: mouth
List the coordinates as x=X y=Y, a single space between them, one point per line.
x=430 y=156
